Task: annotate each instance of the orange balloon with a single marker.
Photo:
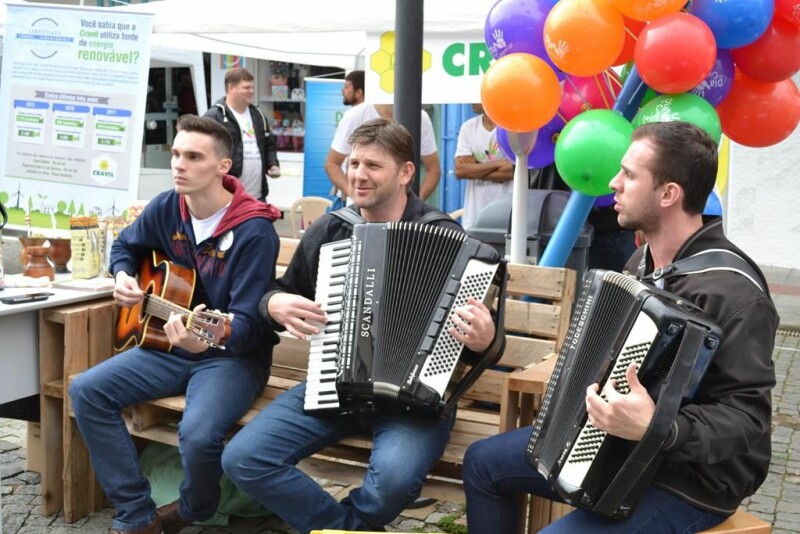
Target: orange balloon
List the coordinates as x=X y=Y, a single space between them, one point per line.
x=647 y=9
x=583 y=37
x=520 y=92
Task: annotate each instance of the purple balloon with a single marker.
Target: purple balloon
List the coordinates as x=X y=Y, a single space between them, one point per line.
x=604 y=200
x=543 y=151
x=517 y=26
x=718 y=83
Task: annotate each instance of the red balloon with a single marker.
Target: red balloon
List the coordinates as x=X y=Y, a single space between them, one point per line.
x=759 y=114
x=774 y=56
x=632 y=30
x=675 y=53
x=593 y=92
x=789 y=10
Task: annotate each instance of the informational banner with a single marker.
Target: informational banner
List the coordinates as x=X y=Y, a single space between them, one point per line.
x=72 y=98
x=452 y=68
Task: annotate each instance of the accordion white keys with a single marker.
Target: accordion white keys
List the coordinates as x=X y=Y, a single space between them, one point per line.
x=618 y=321
x=389 y=293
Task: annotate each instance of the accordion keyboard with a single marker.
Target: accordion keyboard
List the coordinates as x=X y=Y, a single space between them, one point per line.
x=321 y=383
x=588 y=443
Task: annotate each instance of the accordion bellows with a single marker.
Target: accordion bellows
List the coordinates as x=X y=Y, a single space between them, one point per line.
x=389 y=293
x=618 y=321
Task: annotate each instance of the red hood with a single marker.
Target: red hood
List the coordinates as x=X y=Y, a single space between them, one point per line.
x=243 y=207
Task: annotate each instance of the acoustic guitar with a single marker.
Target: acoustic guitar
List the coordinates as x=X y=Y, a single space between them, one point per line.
x=168 y=288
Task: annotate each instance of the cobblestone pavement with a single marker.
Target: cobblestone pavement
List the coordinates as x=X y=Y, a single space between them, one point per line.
x=778 y=500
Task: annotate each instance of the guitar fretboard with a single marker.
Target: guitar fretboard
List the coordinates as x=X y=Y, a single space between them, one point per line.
x=162 y=308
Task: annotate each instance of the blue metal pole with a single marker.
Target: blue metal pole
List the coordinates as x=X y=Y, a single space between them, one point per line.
x=569 y=225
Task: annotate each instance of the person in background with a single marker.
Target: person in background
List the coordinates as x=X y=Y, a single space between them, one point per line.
x=208 y=223
x=262 y=458
x=718 y=449
x=359 y=114
x=255 y=152
x=479 y=160
x=353 y=90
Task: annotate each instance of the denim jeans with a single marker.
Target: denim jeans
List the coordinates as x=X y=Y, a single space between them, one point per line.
x=495 y=472
x=261 y=460
x=218 y=392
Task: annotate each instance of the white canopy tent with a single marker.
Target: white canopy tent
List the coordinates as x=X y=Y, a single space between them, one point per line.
x=316 y=32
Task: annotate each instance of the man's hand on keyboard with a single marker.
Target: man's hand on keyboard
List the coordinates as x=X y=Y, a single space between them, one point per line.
x=300 y=316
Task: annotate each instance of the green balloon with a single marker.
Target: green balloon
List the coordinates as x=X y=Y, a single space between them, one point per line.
x=590 y=148
x=685 y=107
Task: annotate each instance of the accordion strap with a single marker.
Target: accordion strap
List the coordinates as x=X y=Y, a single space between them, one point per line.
x=352 y=217
x=715 y=259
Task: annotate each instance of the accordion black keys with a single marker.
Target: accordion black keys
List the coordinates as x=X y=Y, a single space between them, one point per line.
x=389 y=293
x=618 y=321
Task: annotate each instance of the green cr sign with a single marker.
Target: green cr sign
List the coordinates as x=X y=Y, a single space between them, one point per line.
x=471 y=59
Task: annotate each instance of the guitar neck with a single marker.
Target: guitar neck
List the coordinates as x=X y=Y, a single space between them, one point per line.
x=162 y=308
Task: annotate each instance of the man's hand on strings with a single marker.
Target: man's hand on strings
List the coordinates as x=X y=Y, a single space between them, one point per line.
x=126 y=290
x=473 y=325
x=626 y=416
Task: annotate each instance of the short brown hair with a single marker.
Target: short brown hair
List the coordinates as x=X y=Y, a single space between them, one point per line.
x=389 y=135
x=686 y=155
x=237 y=75
x=223 y=144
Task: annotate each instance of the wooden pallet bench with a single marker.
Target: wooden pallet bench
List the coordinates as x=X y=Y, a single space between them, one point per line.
x=534 y=329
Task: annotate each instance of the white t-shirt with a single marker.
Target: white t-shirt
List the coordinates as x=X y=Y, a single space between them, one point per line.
x=251 y=158
x=358 y=115
x=476 y=141
x=204 y=228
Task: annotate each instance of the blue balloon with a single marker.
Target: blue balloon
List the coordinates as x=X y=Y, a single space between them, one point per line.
x=734 y=23
x=713 y=205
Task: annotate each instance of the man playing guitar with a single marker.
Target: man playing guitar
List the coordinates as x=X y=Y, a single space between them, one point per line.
x=209 y=244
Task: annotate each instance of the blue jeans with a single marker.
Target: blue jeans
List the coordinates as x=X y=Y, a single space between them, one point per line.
x=261 y=460
x=495 y=472
x=218 y=392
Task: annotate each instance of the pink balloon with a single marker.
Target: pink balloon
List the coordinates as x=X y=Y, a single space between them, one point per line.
x=593 y=92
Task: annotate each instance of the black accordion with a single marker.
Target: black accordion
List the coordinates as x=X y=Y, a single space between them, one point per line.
x=389 y=293
x=618 y=321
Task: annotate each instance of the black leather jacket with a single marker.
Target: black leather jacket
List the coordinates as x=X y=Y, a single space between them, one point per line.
x=718 y=451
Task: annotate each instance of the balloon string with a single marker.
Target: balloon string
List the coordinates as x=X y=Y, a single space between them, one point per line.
x=610 y=78
x=633 y=35
x=602 y=93
x=577 y=92
x=560 y=116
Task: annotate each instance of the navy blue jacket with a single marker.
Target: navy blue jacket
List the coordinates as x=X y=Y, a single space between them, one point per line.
x=235 y=266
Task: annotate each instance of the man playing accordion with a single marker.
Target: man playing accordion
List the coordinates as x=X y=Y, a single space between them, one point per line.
x=717 y=451
x=262 y=457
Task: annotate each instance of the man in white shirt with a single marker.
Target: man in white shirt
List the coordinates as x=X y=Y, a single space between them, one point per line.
x=479 y=159
x=254 y=147
x=358 y=115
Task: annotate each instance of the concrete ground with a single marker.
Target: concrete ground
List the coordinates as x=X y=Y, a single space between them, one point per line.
x=777 y=501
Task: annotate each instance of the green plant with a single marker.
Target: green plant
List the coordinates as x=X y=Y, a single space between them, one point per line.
x=448 y=524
